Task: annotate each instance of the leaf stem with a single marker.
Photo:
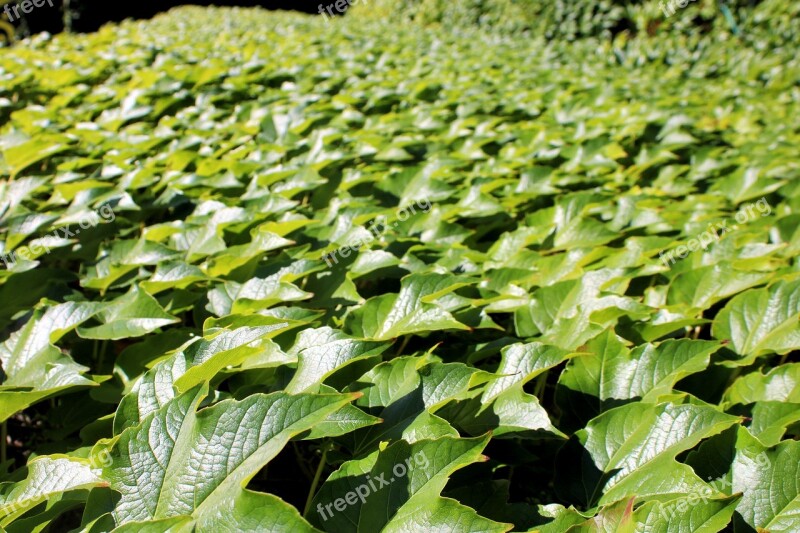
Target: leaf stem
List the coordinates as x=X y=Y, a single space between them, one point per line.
x=317 y=477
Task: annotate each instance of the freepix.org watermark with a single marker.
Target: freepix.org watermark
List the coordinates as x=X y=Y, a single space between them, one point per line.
x=715 y=232
x=373 y=485
x=104 y=215
x=670 y=8
x=340 y=5
x=375 y=231
x=26 y=6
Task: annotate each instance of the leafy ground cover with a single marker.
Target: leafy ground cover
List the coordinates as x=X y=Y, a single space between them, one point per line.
x=264 y=272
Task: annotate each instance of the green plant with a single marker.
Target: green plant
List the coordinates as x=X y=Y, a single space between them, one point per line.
x=177 y=354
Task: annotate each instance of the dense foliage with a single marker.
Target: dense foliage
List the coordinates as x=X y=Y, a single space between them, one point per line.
x=571 y=19
x=268 y=272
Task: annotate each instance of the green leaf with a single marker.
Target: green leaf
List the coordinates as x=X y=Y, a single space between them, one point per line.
x=322 y=351
x=389 y=381
x=781 y=384
x=132 y=315
x=521 y=363
x=24 y=155
x=194 y=363
x=696 y=513
x=633 y=447
x=346 y=420
x=215 y=451
x=48 y=477
x=610 y=371
x=399 y=488
x=413 y=310
x=34 y=368
x=411 y=392
x=762 y=321
x=769 y=480
x=583 y=232
x=770 y=421
x=703 y=287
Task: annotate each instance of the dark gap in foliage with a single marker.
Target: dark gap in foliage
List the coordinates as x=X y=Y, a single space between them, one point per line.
x=90 y=15
x=289 y=474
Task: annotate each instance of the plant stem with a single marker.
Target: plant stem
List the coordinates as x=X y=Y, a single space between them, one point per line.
x=540 y=385
x=317 y=477
x=101 y=356
x=67 y=12
x=301 y=462
x=734 y=375
x=403 y=345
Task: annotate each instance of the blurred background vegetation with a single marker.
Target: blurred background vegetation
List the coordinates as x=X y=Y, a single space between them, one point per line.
x=567 y=19
x=575 y=19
